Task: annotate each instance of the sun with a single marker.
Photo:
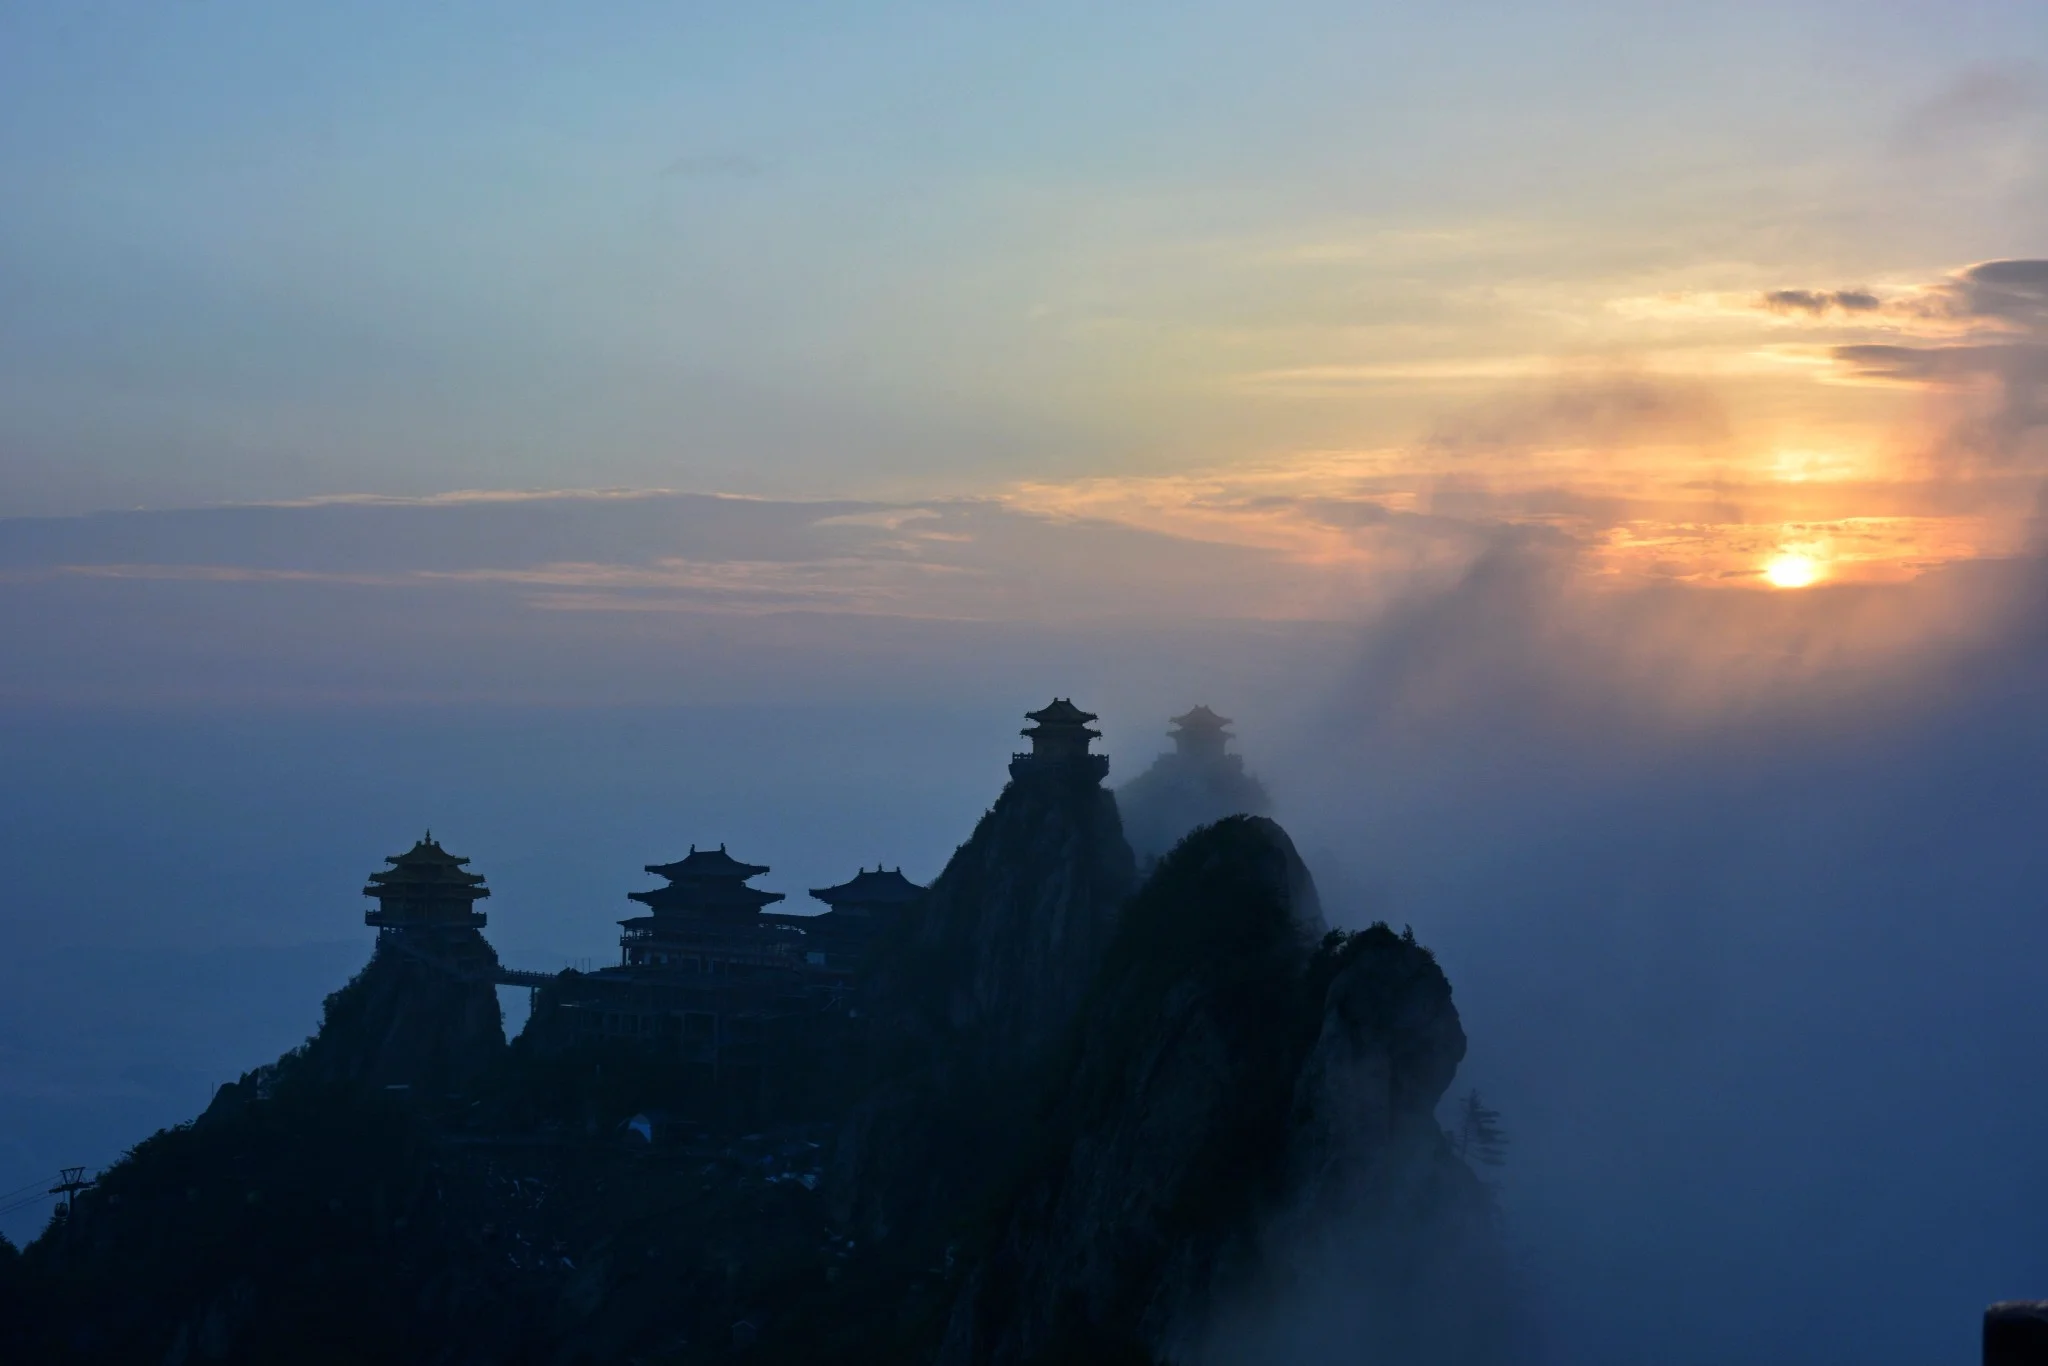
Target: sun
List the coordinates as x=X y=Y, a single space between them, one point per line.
x=1792 y=571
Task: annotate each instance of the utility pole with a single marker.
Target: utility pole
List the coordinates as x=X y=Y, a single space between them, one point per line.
x=72 y=1180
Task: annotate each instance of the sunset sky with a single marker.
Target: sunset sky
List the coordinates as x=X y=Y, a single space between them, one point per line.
x=1701 y=289
x=1591 y=448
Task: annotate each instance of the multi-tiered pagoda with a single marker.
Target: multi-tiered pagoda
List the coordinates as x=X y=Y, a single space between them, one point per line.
x=426 y=909
x=423 y=1014
x=707 y=919
x=1200 y=735
x=1059 y=739
x=425 y=891
x=1197 y=782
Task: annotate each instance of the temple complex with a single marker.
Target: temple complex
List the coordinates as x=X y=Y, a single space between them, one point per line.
x=742 y=995
x=863 y=907
x=745 y=999
x=708 y=920
x=1059 y=739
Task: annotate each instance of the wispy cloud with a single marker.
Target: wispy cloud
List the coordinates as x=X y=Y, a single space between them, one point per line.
x=1821 y=302
x=459 y=496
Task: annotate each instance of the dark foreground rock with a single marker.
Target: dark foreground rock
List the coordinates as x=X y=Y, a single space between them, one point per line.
x=970 y=1007
x=1243 y=1092
x=1183 y=1125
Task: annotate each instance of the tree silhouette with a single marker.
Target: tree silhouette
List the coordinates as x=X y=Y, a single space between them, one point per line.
x=1478 y=1136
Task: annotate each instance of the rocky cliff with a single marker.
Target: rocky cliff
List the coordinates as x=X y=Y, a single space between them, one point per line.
x=972 y=1000
x=1242 y=1090
x=430 y=1024
x=1178 y=1123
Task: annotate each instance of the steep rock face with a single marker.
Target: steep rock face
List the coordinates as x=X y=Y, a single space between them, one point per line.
x=1382 y=1240
x=431 y=1024
x=1235 y=1076
x=971 y=1000
x=1016 y=925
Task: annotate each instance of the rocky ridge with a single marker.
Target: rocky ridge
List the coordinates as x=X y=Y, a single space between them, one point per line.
x=1096 y=1121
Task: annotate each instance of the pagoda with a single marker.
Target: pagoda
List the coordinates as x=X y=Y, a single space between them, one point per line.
x=1200 y=735
x=426 y=892
x=706 y=919
x=708 y=881
x=1059 y=739
x=1198 y=781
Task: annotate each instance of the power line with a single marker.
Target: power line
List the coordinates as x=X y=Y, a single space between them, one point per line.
x=25 y=1203
x=69 y=1181
x=23 y=1190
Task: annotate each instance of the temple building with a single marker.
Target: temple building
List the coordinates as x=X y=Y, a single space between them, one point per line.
x=426 y=908
x=426 y=890
x=1059 y=739
x=863 y=907
x=748 y=1001
x=869 y=895
x=708 y=920
x=1199 y=781
x=1199 y=736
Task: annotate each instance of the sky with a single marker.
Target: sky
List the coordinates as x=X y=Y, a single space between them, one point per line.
x=1592 y=450
x=1617 y=267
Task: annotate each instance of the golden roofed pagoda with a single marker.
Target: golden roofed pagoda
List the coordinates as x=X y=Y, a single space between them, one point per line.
x=425 y=890
x=1200 y=734
x=1059 y=744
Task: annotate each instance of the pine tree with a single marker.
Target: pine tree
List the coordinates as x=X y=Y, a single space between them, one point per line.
x=1479 y=1137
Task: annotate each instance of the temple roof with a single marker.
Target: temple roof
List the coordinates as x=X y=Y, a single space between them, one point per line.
x=877 y=888
x=707 y=863
x=705 y=895
x=426 y=870
x=1061 y=712
x=1201 y=718
x=707 y=880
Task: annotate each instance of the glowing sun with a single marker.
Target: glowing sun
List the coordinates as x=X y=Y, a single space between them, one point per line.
x=1792 y=571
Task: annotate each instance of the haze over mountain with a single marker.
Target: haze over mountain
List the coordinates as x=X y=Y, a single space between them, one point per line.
x=1739 y=893
x=1592 y=452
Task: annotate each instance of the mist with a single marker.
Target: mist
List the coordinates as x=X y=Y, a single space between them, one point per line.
x=1738 y=891
x=1741 y=897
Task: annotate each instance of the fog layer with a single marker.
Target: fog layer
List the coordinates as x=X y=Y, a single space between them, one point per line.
x=1739 y=891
